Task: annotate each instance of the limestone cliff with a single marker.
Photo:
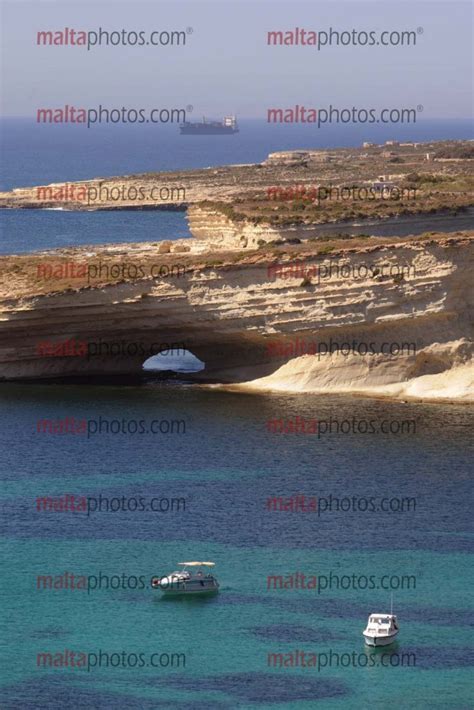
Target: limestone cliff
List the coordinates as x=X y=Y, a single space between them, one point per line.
x=245 y=314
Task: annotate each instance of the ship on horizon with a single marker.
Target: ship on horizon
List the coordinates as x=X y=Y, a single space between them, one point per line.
x=227 y=126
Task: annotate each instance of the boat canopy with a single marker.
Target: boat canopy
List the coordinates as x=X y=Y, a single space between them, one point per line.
x=381 y=618
x=197 y=564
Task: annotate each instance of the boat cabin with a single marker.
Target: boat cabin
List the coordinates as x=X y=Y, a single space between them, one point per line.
x=382 y=623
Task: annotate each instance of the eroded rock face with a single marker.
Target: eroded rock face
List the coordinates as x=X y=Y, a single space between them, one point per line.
x=245 y=320
x=211 y=225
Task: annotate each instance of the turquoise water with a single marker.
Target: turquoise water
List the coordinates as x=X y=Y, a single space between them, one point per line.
x=225 y=465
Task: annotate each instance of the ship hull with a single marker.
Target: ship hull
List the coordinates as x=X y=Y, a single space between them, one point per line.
x=199 y=131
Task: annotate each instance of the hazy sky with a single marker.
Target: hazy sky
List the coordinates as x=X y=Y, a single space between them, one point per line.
x=226 y=65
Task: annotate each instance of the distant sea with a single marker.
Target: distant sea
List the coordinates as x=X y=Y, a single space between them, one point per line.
x=38 y=154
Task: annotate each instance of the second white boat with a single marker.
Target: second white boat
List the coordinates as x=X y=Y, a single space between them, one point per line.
x=185 y=582
x=381 y=629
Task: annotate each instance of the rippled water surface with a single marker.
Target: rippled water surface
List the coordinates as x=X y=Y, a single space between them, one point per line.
x=218 y=475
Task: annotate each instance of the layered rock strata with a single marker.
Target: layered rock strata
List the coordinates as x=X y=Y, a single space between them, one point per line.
x=245 y=315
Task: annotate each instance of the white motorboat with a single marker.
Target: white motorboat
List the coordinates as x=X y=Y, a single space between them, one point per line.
x=186 y=582
x=381 y=629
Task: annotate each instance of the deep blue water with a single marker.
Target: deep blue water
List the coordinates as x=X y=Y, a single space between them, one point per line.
x=38 y=154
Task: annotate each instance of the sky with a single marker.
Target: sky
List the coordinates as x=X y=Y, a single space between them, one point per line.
x=226 y=65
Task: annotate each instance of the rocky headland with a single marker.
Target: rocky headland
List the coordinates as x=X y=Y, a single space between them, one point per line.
x=264 y=301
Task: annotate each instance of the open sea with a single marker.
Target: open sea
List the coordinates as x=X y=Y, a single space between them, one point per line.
x=310 y=533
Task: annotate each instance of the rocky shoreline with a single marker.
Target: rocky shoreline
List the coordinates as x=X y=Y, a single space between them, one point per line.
x=259 y=275
x=290 y=195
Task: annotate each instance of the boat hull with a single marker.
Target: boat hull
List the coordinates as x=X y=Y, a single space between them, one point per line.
x=380 y=640
x=188 y=592
x=190 y=587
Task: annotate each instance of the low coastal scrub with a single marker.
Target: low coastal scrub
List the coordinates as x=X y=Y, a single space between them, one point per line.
x=420 y=193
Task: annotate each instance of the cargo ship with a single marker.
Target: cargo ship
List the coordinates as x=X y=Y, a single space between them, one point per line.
x=210 y=128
